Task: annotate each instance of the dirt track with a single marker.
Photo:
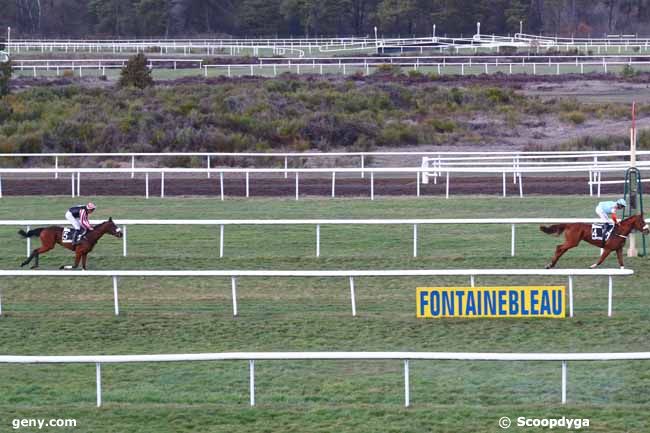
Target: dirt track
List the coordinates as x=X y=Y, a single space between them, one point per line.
x=280 y=187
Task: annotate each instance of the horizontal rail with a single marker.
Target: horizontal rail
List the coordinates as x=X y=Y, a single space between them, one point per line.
x=261 y=356
x=317 y=273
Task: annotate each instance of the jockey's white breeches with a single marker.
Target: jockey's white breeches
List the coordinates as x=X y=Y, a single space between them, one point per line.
x=603 y=215
x=72 y=220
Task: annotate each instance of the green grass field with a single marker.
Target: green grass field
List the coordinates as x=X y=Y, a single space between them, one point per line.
x=59 y=316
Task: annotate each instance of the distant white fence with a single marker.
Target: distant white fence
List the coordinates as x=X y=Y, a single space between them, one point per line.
x=100 y=65
x=350 y=274
x=251 y=357
x=317 y=223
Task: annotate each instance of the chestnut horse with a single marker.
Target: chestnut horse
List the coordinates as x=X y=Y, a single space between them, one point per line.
x=574 y=233
x=50 y=236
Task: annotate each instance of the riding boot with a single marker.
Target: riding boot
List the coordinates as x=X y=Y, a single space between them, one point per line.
x=73 y=236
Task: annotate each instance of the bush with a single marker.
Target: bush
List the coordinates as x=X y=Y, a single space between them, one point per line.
x=136 y=73
x=5 y=77
x=388 y=69
x=575 y=117
x=68 y=73
x=629 y=72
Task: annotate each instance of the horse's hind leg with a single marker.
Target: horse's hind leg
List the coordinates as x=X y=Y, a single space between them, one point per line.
x=33 y=255
x=561 y=249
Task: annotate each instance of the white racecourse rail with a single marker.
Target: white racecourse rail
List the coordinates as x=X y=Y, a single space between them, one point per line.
x=251 y=357
x=350 y=274
x=317 y=223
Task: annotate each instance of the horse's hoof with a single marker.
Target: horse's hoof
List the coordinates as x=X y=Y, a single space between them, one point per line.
x=548 y=266
x=594 y=266
x=34 y=267
x=622 y=267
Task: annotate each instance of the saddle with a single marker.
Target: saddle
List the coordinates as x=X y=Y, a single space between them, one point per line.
x=601 y=232
x=69 y=234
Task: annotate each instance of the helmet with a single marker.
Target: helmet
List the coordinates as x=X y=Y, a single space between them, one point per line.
x=91 y=206
x=621 y=202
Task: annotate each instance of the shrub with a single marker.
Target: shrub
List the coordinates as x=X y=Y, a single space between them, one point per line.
x=136 y=73
x=388 y=69
x=68 y=73
x=575 y=117
x=629 y=72
x=5 y=77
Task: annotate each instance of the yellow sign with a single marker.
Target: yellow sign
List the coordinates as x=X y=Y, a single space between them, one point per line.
x=490 y=302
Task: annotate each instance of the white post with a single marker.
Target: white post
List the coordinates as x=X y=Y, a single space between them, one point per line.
x=208 y=165
x=132 y=166
x=221 y=241
x=417 y=181
x=570 y=295
x=124 y=240
x=247 y=185
x=162 y=184
x=512 y=240
x=98 y=379
x=0 y=186
x=115 y=300
x=372 y=185
x=233 y=284
x=521 y=187
x=146 y=188
x=333 y=184
x=251 y=380
x=29 y=243
x=0 y=301
x=78 y=184
x=415 y=240
x=504 y=183
x=363 y=174
x=407 y=397
x=447 y=187
x=56 y=167
x=352 y=298
x=472 y=281
x=563 y=382
x=317 y=240
x=297 y=188
x=221 y=184
x=286 y=166
x=72 y=184
x=609 y=296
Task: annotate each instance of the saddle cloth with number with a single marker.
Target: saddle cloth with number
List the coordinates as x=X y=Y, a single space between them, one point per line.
x=601 y=232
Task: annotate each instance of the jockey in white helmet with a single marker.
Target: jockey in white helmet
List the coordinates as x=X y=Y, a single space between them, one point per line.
x=78 y=218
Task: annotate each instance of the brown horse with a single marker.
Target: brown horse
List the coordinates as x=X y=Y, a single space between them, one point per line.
x=574 y=233
x=50 y=236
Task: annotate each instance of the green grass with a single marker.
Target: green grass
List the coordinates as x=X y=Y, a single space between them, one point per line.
x=191 y=315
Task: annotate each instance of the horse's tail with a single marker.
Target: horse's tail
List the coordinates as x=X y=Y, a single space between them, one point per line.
x=31 y=233
x=555 y=229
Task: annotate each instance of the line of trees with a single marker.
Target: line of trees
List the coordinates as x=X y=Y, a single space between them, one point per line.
x=256 y=18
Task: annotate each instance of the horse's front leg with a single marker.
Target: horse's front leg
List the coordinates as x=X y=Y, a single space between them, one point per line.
x=619 y=257
x=603 y=256
x=77 y=259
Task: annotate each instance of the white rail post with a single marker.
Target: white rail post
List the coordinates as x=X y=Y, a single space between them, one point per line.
x=72 y=184
x=286 y=166
x=221 y=241
x=115 y=299
x=564 y=373
x=247 y=184
x=233 y=285
x=417 y=182
x=504 y=183
x=29 y=242
x=363 y=174
x=124 y=241
x=317 y=240
x=372 y=185
x=472 y=281
x=132 y=166
x=447 y=186
x=591 y=184
x=98 y=380
x=0 y=301
x=221 y=184
x=415 y=240
x=56 y=167
x=353 y=298
x=570 y=295
x=407 y=396
x=251 y=380
x=162 y=184
x=333 y=184
x=297 y=187
x=208 y=165
x=78 y=184
x=0 y=186
x=146 y=188
x=609 y=296
x=512 y=240
x=521 y=186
